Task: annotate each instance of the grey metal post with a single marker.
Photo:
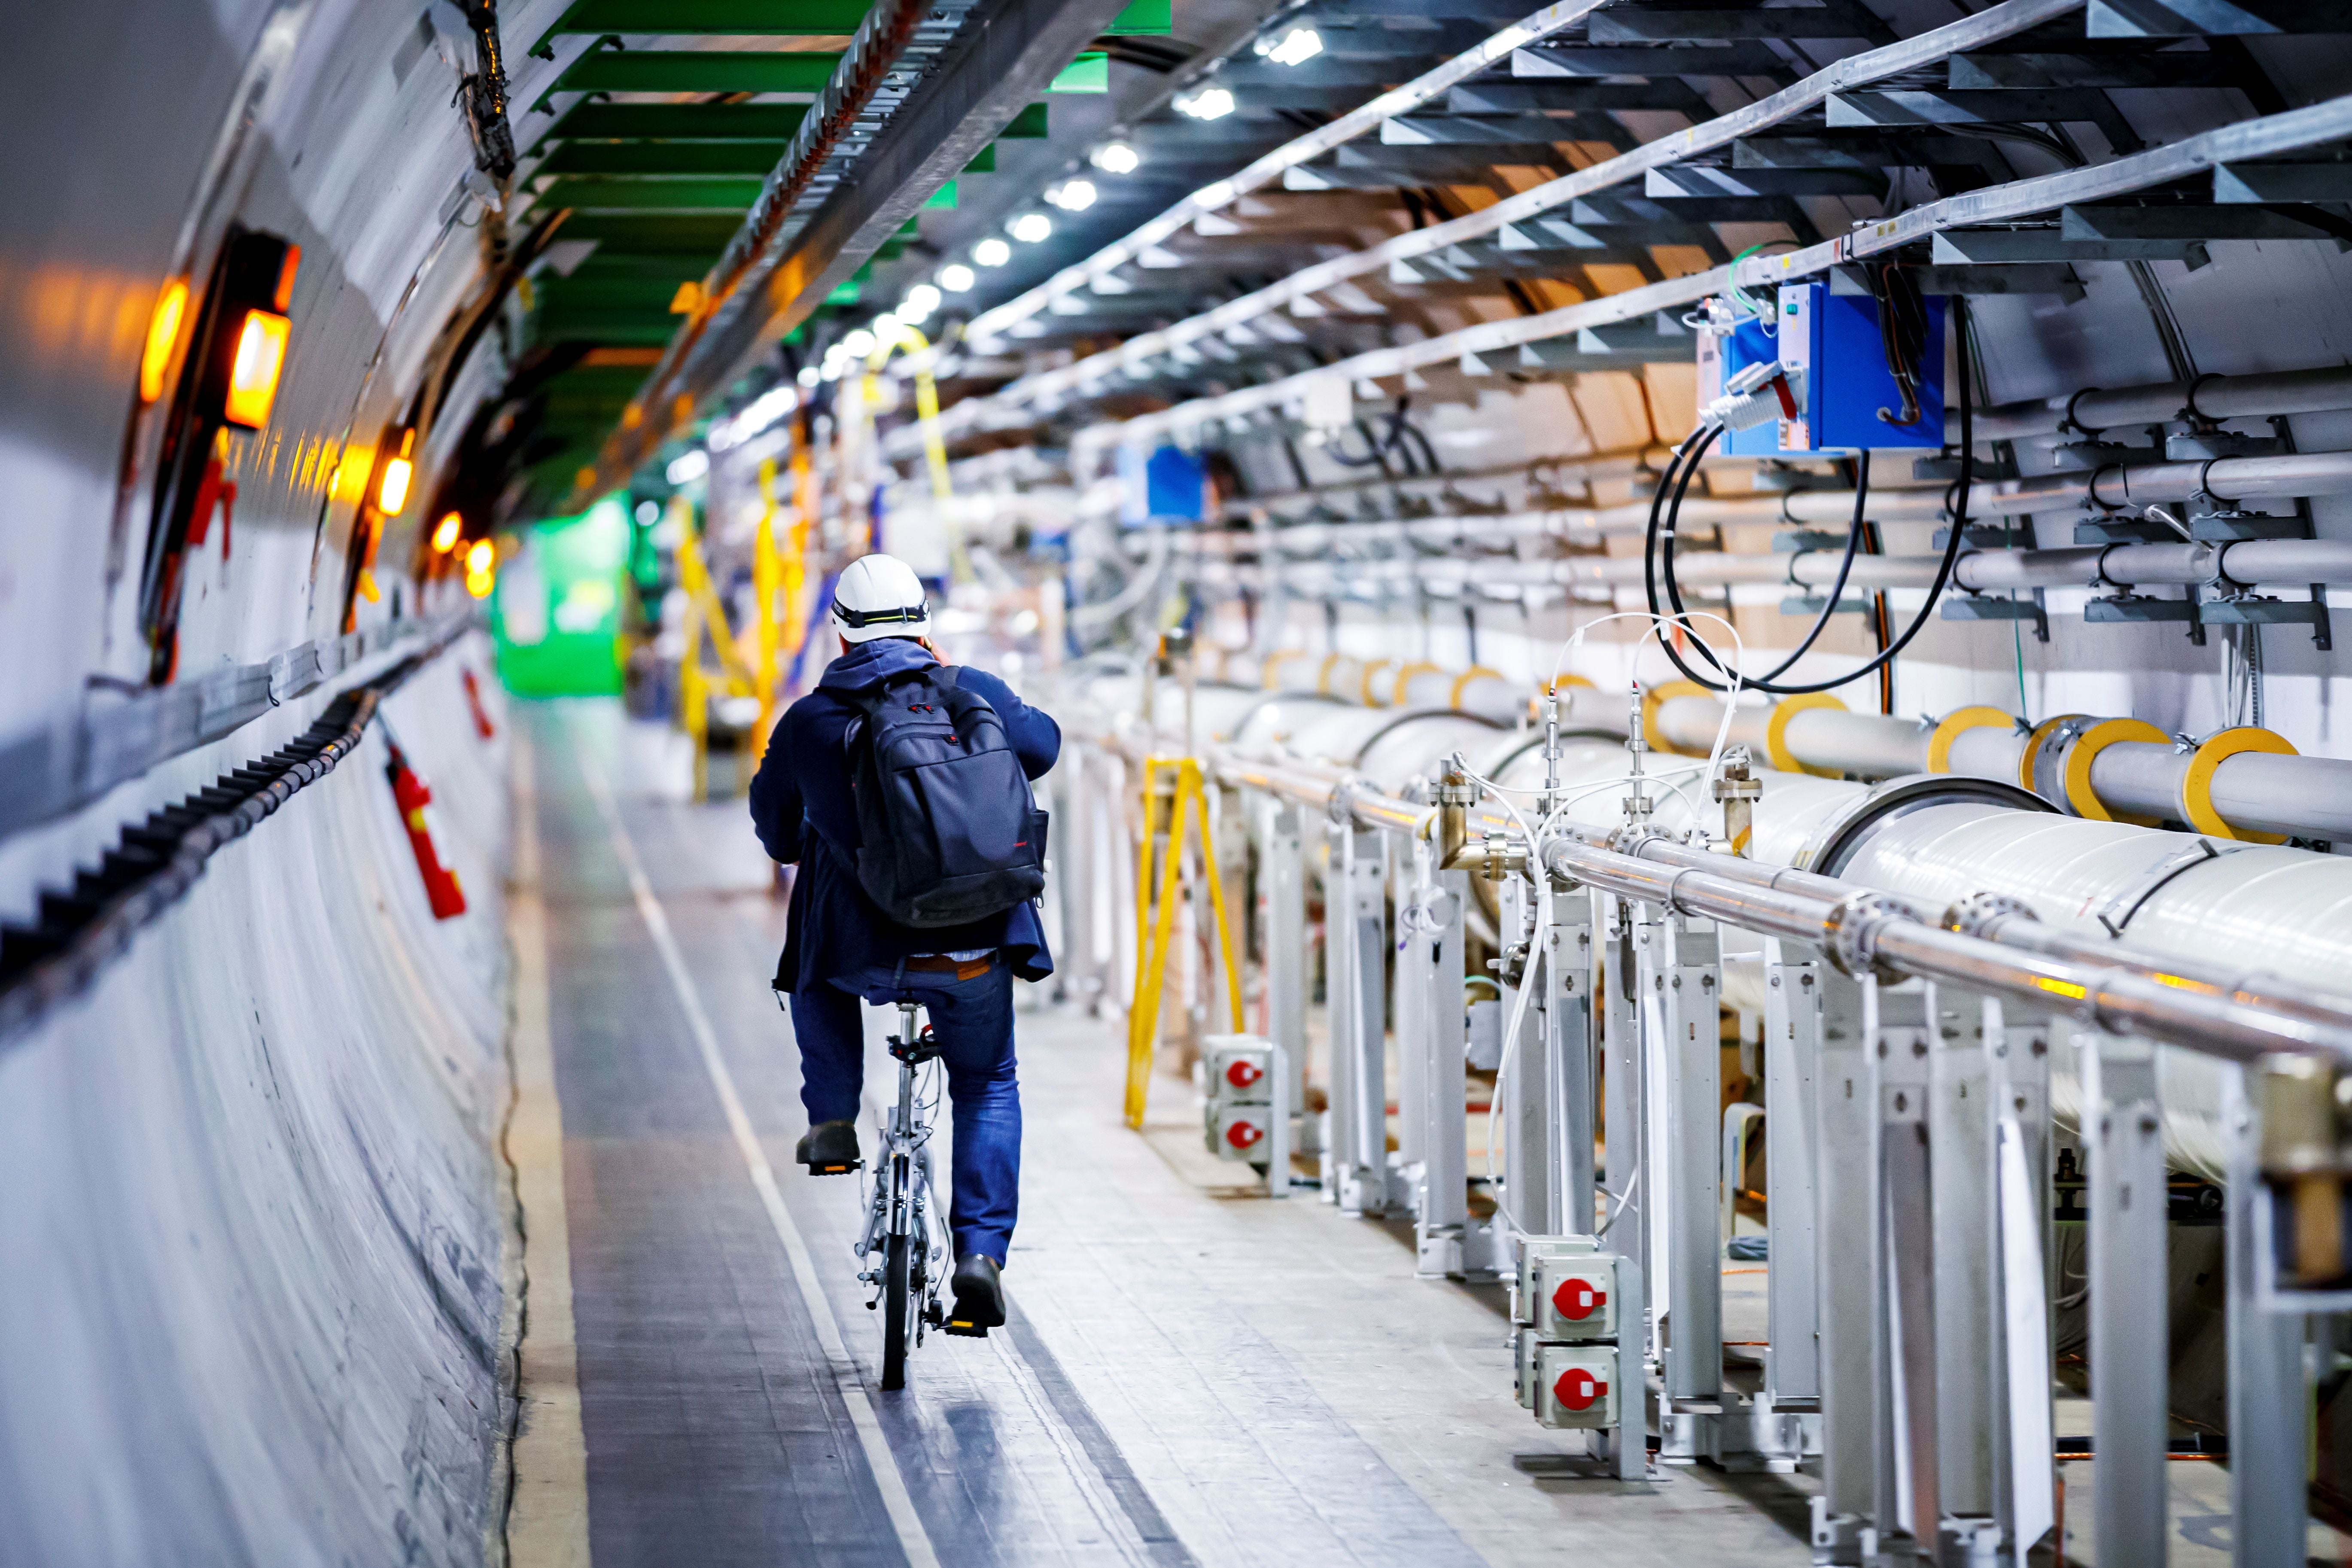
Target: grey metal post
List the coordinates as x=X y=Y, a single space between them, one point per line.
x=1623 y=1133
x=1633 y=1376
x=1907 y=1505
x=1444 y=1044
x=1356 y=930
x=1418 y=903
x=1792 y=1048
x=2017 y=1054
x=2129 y=1354
x=1685 y=955
x=1961 y=1143
x=1529 y=1087
x=1287 y=955
x=1567 y=1110
x=1845 y=1117
x=2268 y=1403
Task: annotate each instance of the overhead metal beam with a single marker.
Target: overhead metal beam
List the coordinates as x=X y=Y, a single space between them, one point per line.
x=2215 y=18
x=2282 y=183
x=753 y=158
x=650 y=195
x=1000 y=60
x=680 y=123
x=2194 y=223
x=695 y=70
x=2272 y=136
x=1994 y=247
x=1560 y=95
x=1837 y=19
x=1571 y=192
x=1567 y=60
x=1991 y=69
x=742 y=18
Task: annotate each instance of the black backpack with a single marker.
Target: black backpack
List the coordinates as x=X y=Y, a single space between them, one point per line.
x=948 y=831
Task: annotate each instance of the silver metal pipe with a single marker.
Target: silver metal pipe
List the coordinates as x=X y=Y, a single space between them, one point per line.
x=2117 y=991
x=2165 y=402
x=2251 y=562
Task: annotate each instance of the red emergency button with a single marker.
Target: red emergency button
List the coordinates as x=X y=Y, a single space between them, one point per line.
x=1243 y=1135
x=1242 y=1072
x=1577 y=1300
x=1577 y=1389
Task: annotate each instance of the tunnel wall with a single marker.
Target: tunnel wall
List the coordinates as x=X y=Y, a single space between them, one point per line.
x=253 y=1215
x=251 y=1205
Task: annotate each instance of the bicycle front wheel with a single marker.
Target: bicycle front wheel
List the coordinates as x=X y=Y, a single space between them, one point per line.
x=898 y=1310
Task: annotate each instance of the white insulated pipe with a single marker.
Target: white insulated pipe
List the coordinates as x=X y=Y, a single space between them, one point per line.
x=2214 y=398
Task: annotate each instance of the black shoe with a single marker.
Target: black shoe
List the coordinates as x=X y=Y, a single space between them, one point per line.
x=829 y=1148
x=980 y=1297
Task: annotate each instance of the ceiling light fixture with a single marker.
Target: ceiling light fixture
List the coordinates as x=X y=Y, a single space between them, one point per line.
x=991 y=252
x=957 y=279
x=1116 y=158
x=1210 y=103
x=1294 y=48
x=1072 y=196
x=1029 y=229
x=686 y=469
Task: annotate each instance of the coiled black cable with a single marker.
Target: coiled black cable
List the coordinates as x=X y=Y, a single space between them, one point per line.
x=1665 y=508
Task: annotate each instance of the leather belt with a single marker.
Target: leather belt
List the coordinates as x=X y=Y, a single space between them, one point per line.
x=963 y=968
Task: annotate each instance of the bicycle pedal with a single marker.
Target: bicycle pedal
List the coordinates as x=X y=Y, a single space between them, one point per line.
x=965 y=1328
x=836 y=1170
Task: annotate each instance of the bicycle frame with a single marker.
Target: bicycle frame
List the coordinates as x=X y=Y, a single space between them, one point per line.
x=901 y=1204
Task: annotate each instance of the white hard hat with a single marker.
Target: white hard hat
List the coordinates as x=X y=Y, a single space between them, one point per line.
x=879 y=596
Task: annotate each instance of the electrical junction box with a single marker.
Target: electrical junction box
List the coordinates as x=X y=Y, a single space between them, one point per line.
x=1830 y=350
x=1239 y=1132
x=1575 y=1298
x=1528 y=1347
x=1575 y=1386
x=1239 y=1069
x=1535 y=1251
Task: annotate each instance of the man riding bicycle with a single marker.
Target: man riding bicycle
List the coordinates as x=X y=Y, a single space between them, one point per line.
x=840 y=945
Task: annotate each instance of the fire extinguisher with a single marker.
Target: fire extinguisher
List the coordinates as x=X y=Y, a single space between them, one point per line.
x=482 y=725
x=410 y=793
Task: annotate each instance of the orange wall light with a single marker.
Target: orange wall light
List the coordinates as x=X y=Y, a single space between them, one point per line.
x=444 y=533
x=253 y=373
x=162 y=337
x=481 y=568
x=392 y=491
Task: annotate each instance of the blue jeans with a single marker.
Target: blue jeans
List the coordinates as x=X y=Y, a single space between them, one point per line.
x=973 y=1021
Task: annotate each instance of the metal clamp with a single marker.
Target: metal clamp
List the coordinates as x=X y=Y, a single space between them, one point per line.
x=1852 y=935
x=1981 y=915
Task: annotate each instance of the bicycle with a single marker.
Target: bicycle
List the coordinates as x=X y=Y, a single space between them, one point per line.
x=900 y=1220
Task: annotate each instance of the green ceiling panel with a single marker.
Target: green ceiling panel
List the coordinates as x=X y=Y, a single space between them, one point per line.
x=622 y=293
x=625 y=233
x=665 y=158
x=680 y=121
x=985 y=164
x=553 y=325
x=692 y=71
x=1146 y=18
x=944 y=197
x=1089 y=72
x=651 y=196
x=1029 y=125
x=780 y=18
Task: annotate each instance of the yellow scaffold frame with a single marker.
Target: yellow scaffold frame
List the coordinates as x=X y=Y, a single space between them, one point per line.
x=1173 y=793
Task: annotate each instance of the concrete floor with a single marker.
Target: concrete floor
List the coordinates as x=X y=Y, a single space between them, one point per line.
x=1193 y=1373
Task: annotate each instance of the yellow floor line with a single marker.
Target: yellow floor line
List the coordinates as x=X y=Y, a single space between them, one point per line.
x=547 y=1526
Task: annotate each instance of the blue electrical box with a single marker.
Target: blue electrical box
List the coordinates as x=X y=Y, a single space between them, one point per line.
x=1835 y=362
x=1166 y=485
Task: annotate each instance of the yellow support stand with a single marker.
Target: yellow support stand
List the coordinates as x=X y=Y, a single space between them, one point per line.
x=767 y=580
x=1173 y=794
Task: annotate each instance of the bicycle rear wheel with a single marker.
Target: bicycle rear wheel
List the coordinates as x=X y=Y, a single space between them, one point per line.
x=897 y=1310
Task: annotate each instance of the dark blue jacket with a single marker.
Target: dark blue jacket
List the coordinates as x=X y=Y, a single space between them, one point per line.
x=801 y=806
